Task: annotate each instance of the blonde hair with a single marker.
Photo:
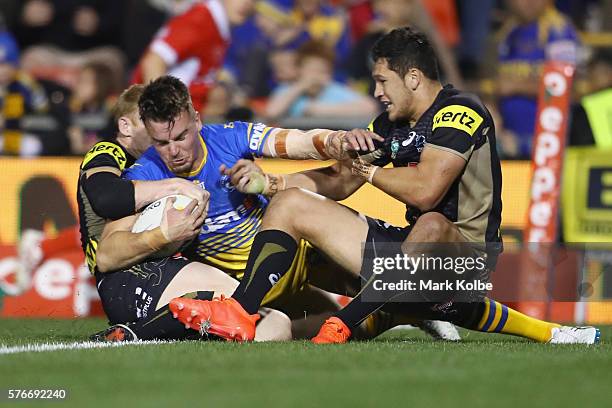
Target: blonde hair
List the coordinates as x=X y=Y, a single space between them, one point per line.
x=127 y=103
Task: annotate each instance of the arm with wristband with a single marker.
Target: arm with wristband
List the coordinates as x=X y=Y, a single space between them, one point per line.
x=335 y=181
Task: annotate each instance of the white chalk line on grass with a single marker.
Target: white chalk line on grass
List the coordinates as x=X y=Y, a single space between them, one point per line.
x=79 y=345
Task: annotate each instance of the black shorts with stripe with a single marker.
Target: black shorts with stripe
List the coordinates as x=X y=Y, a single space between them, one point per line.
x=132 y=294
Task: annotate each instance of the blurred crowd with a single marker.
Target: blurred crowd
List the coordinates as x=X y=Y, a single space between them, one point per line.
x=62 y=62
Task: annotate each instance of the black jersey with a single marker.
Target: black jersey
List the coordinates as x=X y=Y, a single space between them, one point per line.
x=456 y=122
x=102 y=154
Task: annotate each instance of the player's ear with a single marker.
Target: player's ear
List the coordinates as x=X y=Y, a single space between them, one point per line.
x=125 y=126
x=413 y=78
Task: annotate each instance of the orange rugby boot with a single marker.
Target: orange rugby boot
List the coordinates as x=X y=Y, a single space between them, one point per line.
x=333 y=331
x=223 y=317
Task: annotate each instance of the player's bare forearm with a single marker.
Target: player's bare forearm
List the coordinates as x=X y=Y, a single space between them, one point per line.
x=421 y=186
x=335 y=182
x=113 y=253
x=146 y=192
x=407 y=184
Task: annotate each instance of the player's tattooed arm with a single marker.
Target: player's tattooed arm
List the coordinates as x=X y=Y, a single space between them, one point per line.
x=335 y=182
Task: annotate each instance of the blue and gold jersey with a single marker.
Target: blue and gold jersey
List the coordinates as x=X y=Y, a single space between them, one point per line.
x=233 y=217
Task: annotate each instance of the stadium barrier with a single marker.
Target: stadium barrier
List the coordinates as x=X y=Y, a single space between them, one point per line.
x=40 y=194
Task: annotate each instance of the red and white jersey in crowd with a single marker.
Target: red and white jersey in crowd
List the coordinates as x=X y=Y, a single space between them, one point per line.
x=193 y=45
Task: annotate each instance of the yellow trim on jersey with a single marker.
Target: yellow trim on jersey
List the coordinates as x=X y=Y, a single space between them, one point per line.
x=458 y=117
x=106 y=148
x=235 y=240
x=202 y=163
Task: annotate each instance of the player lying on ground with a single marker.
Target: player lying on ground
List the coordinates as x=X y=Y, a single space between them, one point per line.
x=186 y=148
x=103 y=195
x=139 y=290
x=441 y=142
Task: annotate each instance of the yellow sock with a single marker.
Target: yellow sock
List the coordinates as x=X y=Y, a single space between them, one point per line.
x=498 y=318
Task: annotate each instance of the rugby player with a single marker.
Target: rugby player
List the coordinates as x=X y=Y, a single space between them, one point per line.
x=143 y=289
x=185 y=148
x=441 y=142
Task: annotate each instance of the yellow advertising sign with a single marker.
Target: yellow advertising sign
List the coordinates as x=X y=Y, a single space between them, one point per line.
x=587 y=195
x=43 y=192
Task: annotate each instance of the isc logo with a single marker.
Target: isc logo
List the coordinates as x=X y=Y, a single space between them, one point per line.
x=457 y=117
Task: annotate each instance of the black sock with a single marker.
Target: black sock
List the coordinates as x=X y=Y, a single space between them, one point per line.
x=162 y=326
x=468 y=314
x=357 y=311
x=271 y=257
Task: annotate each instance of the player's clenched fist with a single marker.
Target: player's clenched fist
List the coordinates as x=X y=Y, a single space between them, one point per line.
x=249 y=178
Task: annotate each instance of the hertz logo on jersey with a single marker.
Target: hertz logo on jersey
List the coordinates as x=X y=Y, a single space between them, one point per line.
x=458 y=117
x=106 y=148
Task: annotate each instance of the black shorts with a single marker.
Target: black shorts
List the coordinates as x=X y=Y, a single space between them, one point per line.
x=132 y=294
x=382 y=234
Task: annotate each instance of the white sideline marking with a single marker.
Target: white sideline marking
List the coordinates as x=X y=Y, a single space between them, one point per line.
x=80 y=345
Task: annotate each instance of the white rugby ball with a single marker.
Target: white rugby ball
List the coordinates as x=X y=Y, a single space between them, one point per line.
x=152 y=215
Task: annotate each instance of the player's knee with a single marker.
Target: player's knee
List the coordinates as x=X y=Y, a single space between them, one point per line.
x=287 y=203
x=432 y=227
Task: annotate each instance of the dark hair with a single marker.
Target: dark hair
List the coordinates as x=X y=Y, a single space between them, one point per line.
x=164 y=99
x=405 y=48
x=314 y=48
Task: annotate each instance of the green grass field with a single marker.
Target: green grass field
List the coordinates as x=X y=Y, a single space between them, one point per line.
x=400 y=369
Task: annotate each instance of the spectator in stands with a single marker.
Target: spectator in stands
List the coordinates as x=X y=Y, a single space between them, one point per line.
x=536 y=32
x=592 y=118
x=89 y=105
x=70 y=24
x=19 y=95
x=315 y=93
x=193 y=44
x=283 y=62
x=307 y=20
x=475 y=28
x=391 y=14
